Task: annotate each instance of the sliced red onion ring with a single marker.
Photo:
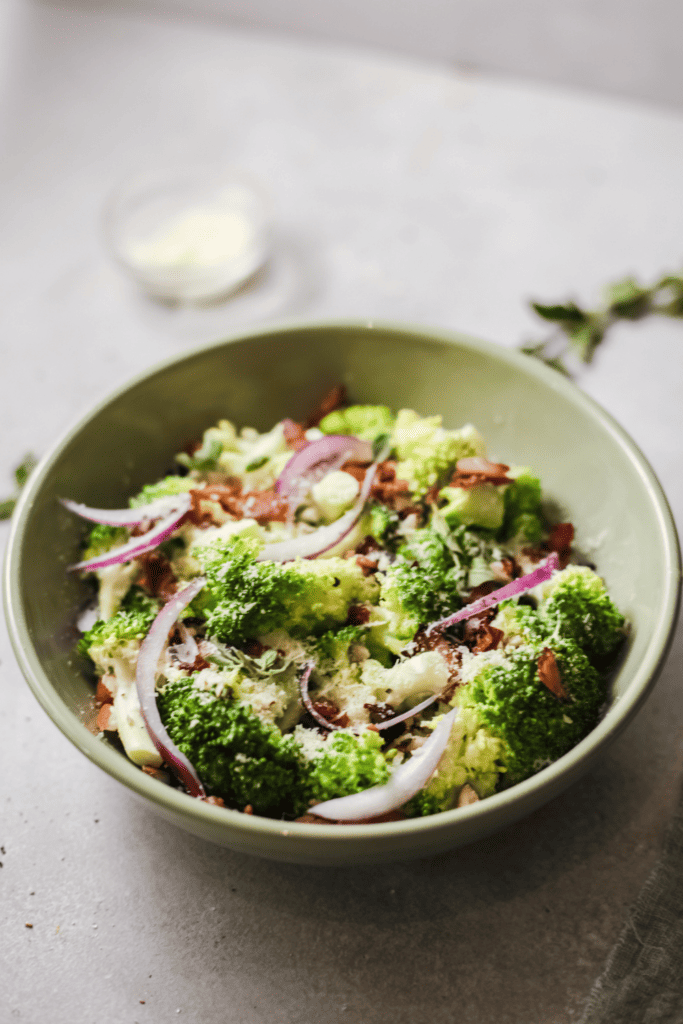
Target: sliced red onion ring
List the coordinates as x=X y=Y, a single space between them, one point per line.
x=331 y=448
x=137 y=545
x=408 y=714
x=303 y=686
x=145 y=680
x=310 y=545
x=514 y=589
x=407 y=780
x=127 y=516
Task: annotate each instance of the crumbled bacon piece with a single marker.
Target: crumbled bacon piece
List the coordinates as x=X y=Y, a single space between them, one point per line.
x=105 y=721
x=263 y=506
x=424 y=641
x=358 y=615
x=157 y=576
x=367 y=546
x=477 y=470
x=295 y=435
x=254 y=648
x=330 y=712
x=549 y=674
x=488 y=638
x=560 y=540
x=103 y=694
x=367 y=565
x=223 y=494
x=334 y=399
x=215 y=801
x=483 y=590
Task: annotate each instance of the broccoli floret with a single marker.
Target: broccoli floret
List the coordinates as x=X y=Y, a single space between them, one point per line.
x=427 y=452
x=245 y=598
x=578 y=607
x=236 y=754
x=473 y=506
x=169 y=485
x=205 y=459
x=335 y=643
x=426 y=583
x=348 y=763
x=534 y=726
x=523 y=517
x=474 y=755
x=105 y=639
x=102 y=538
x=382 y=525
x=364 y=421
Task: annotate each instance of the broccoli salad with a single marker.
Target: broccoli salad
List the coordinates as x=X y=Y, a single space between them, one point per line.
x=358 y=617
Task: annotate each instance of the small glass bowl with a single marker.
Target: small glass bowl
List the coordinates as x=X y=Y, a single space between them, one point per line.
x=187 y=235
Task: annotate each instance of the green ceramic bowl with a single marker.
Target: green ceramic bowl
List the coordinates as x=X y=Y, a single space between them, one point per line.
x=529 y=415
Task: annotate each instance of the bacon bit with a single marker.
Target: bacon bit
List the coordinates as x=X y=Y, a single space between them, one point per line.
x=448 y=651
x=103 y=694
x=372 y=727
x=482 y=590
x=367 y=565
x=157 y=576
x=367 y=546
x=104 y=718
x=506 y=569
x=254 y=648
x=467 y=796
x=549 y=674
x=334 y=399
x=155 y=773
x=295 y=435
x=380 y=711
x=560 y=540
x=386 y=488
x=248 y=809
x=358 y=615
x=488 y=638
x=215 y=801
x=477 y=470
x=330 y=712
x=313 y=819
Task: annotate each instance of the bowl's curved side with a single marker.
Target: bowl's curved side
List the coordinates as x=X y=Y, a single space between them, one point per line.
x=590 y=468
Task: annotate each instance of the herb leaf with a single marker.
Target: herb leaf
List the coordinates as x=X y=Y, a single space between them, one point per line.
x=21 y=475
x=579 y=332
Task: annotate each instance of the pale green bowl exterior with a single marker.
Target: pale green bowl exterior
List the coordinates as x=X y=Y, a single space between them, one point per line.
x=528 y=413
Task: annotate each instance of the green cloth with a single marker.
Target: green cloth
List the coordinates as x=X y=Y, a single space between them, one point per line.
x=642 y=982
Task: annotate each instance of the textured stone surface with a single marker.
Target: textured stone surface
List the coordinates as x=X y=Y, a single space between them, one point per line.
x=401 y=192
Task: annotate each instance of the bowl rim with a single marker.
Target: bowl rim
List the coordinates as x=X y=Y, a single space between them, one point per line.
x=183 y=805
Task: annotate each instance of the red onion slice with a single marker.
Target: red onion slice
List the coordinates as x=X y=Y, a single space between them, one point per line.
x=137 y=545
x=310 y=545
x=127 y=516
x=303 y=686
x=331 y=448
x=408 y=714
x=145 y=680
x=514 y=589
x=407 y=780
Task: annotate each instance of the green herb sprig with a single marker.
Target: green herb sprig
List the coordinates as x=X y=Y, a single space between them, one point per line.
x=579 y=331
x=21 y=475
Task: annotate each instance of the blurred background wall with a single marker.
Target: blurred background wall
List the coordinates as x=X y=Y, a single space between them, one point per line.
x=625 y=47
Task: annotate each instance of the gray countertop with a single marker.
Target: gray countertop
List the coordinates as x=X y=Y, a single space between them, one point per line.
x=405 y=192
